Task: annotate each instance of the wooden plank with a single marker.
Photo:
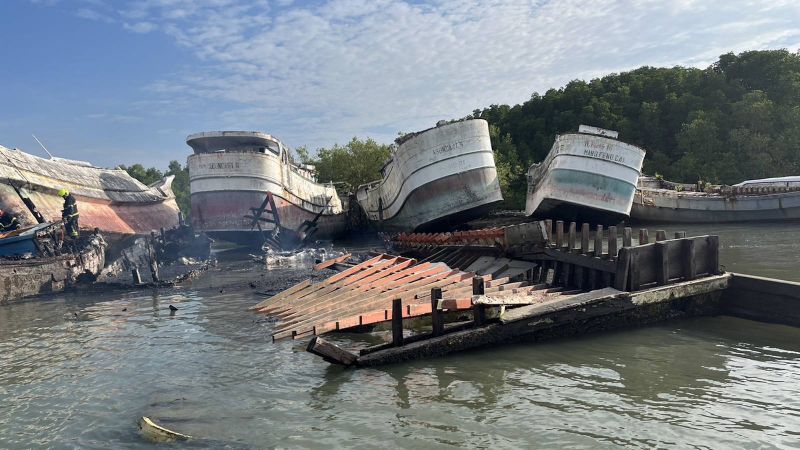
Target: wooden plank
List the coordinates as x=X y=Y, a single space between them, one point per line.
x=623 y=267
x=587 y=261
x=688 y=259
x=572 y=237
x=662 y=263
x=397 y=322
x=559 y=234
x=661 y=235
x=598 y=241
x=585 y=238
x=562 y=303
x=636 y=269
x=713 y=255
x=612 y=242
x=627 y=240
x=644 y=237
x=680 y=234
x=548 y=225
x=330 y=262
x=283 y=294
x=331 y=352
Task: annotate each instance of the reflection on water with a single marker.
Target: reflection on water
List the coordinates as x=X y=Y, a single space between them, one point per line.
x=78 y=372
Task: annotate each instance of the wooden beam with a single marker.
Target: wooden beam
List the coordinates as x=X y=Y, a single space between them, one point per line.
x=397 y=322
x=437 y=320
x=331 y=352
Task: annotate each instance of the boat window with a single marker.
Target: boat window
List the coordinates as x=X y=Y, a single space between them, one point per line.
x=273 y=147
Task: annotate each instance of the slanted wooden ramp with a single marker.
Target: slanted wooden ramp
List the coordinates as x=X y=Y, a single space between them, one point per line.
x=363 y=295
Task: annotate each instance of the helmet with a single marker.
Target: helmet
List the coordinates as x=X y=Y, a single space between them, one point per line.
x=63 y=193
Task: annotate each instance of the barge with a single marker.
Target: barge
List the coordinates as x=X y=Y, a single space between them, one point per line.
x=245 y=189
x=588 y=175
x=436 y=178
x=768 y=199
x=109 y=200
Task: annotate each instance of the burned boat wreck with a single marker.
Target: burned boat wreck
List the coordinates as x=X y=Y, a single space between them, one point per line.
x=245 y=189
x=108 y=199
x=36 y=260
x=435 y=178
x=588 y=175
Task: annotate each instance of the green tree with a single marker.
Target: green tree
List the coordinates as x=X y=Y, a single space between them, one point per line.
x=355 y=163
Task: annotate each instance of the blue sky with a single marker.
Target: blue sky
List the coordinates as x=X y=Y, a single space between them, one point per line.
x=117 y=82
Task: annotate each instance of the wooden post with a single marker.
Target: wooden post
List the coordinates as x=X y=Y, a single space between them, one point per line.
x=437 y=322
x=548 y=226
x=612 y=242
x=585 y=238
x=478 y=311
x=598 y=241
x=559 y=234
x=572 y=236
x=643 y=236
x=623 y=267
x=627 y=240
x=397 y=322
x=713 y=255
x=661 y=235
x=662 y=264
x=636 y=268
x=680 y=234
x=687 y=259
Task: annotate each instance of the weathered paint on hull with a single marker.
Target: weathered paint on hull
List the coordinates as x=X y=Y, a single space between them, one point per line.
x=439 y=177
x=585 y=176
x=221 y=215
x=660 y=205
x=226 y=186
x=450 y=201
x=109 y=200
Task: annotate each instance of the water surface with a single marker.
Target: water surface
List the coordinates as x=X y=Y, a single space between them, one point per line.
x=77 y=371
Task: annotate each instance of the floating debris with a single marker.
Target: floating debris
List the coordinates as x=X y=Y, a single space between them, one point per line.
x=153 y=432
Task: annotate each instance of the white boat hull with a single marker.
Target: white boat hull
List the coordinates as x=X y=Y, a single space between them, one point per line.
x=226 y=186
x=585 y=176
x=437 y=178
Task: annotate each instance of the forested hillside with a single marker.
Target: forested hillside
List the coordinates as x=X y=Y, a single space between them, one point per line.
x=737 y=119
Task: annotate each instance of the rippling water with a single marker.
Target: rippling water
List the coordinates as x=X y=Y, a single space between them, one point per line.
x=78 y=371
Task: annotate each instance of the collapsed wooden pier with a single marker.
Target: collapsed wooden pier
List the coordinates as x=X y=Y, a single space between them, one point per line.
x=524 y=282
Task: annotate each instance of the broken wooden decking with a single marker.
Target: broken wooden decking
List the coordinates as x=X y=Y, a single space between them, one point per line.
x=363 y=294
x=604 y=308
x=562 y=279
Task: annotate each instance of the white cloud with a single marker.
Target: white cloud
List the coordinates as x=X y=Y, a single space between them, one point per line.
x=320 y=74
x=140 y=27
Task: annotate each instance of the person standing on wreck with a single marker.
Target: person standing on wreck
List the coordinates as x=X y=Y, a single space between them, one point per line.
x=70 y=213
x=8 y=222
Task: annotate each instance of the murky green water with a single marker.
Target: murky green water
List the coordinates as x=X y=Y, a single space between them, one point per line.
x=77 y=372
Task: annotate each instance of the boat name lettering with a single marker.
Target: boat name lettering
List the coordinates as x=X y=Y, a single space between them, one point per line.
x=448 y=147
x=604 y=155
x=220 y=165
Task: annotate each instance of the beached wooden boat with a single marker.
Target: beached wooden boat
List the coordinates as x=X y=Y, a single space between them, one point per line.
x=246 y=190
x=768 y=199
x=108 y=199
x=589 y=175
x=435 y=178
x=34 y=260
